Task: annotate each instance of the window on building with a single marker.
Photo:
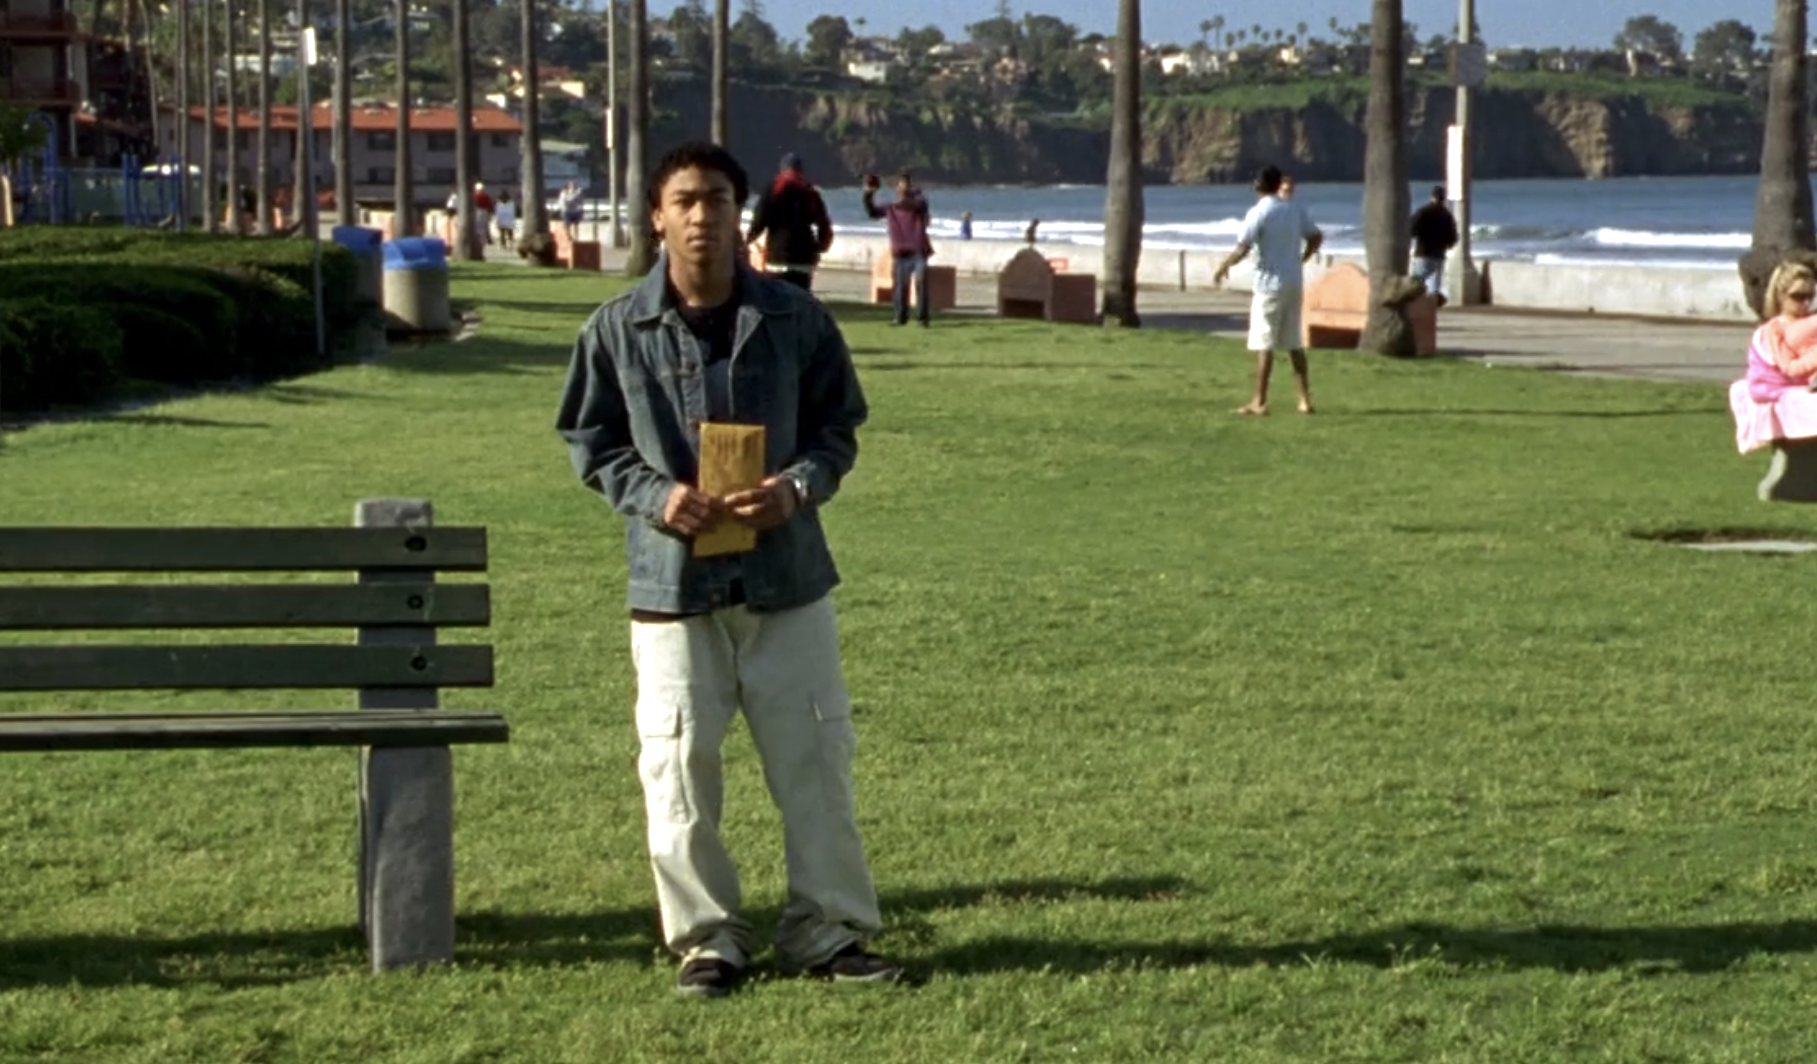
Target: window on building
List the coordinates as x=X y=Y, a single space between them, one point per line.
x=441 y=175
x=381 y=141
x=441 y=142
x=501 y=140
x=6 y=54
x=381 y=175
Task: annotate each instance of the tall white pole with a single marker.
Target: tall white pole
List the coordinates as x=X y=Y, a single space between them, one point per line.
x=306 y=129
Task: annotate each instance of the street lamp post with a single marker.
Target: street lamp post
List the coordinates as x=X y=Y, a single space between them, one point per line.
x=1469 y=70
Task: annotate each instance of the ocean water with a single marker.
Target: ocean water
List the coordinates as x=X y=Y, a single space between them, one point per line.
x=1679 y=221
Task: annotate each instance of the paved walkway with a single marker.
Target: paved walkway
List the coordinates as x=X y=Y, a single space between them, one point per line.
x=1589 y=344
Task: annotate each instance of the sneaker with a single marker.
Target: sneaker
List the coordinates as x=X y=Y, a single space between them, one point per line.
x=855 y=964
x=708 y=977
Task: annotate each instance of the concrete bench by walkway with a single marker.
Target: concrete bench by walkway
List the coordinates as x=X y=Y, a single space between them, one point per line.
x=942 y=284
x=406 y=770
x=1030 y=285
x=1337 y=305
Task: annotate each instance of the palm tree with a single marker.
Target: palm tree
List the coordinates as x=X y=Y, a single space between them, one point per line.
x=183 y=123
x=262 y=166
x=1217 y=27
x=637 y=137
x=211 y=207
x=1782 y=204
x=1385 y=197
x=302 y=193
x=465 y=239
x=231 y=45
x=532 y=218
x=722 y=22
x=344 y=211
x=1123 y=213
x=403 y=189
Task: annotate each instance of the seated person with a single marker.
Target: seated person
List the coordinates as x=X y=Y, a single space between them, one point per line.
x=1774 y=401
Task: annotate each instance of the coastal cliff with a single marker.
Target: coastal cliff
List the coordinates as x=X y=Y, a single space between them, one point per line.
x=1526 y=133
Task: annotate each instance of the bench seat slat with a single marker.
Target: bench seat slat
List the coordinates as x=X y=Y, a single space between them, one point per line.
x=143 y=550
x=115 y=606
x=152 y=731
x=234 y=666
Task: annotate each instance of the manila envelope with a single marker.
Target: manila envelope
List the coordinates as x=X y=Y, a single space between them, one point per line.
x=731 y=459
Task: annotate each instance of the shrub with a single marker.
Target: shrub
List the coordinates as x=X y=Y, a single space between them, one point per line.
x=156 y=345
x=52 y=354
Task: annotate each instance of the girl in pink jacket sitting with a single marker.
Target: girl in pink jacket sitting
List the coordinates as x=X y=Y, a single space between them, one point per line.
x=1774 y=401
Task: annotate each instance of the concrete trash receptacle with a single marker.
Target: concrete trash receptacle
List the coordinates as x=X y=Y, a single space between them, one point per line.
x=367 y=247
x=416 y=285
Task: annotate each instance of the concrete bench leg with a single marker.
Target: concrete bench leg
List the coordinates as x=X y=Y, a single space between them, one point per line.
x=407 y=855
x=1792 y=476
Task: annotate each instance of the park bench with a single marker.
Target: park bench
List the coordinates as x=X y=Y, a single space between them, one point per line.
x=1030 y=285
x=942 y=283
x=1792 y=474
x=1337 y=304
x=406 y=776
x=575 y=254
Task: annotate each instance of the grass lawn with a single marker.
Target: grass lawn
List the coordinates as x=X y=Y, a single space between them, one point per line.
x=1374 y=736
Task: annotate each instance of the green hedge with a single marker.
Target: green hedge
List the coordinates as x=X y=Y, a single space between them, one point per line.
x=85 y=310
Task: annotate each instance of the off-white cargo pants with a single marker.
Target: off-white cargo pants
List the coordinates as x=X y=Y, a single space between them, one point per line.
x=782 y=669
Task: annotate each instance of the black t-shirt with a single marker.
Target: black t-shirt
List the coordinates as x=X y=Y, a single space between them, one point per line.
x=715 y=328
x=1434 y=231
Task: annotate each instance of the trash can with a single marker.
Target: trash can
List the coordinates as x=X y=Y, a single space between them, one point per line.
x=367 y=247
x=416 y=285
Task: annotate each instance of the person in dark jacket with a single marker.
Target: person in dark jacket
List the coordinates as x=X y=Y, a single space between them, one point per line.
x=1434 y=234
x=800 y=231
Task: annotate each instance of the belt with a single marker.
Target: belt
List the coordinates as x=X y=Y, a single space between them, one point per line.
x=734 y=596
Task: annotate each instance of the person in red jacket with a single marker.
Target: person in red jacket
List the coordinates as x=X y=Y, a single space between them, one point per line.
x=795 y=217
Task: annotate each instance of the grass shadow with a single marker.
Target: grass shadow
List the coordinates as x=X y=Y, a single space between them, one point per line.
x=1697 y=949
x=180 y=421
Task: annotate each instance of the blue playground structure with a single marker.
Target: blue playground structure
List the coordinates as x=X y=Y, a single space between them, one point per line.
x=136 y=194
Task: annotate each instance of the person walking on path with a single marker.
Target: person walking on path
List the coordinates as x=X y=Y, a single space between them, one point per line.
x=1434 y=235
x=1283 y=238
x=507 y=221
x=795 y=217
x=910 y=247
x=705 y=338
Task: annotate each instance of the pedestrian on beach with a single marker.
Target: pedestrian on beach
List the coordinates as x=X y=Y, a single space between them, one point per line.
x=795 y=218
x=910 y=247
x=965 y=226
x=754 y=631
x=568 y=204
x=1283 y=238
x=1434 y=235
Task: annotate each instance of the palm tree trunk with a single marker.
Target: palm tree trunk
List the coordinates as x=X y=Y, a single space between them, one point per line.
x=344 y=210
x=211 y=205
x=1385 y=198
x=637 y=136
x=231 y=45
x=1123 y=206
x=303 y=191
x=182 y=118
x=464 y=235
x=1782 y=204
x=403 y=190
x=722 y=19
x=262 y=168
x=532 y=219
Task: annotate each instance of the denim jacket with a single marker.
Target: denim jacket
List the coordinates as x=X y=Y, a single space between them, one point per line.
x=631 y=409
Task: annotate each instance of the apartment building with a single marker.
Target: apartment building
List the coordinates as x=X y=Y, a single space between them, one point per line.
x=496 y=145
x=43 y=61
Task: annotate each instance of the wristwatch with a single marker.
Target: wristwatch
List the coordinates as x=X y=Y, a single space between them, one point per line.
x=800 y=484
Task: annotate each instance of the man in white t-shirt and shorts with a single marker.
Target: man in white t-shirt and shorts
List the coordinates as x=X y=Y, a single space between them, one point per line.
x=1283 y=238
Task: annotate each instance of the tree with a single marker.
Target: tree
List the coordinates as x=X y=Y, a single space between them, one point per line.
x=20 y=136
x=1385 y=196
x=211 y=207
x=1123 y=206
x=1782 y=204
x=754 y=42
x=532 y=218
x=917 y=43
x=637 y=138
x=345 y=214
x=828 y=38
x=403 y=194
x=722 y=29
x=466 y=240
x=995 y=35
x=1724 y=48
x=230 y=44
x=262 y=224
x=1648 y=33
x=692 y=28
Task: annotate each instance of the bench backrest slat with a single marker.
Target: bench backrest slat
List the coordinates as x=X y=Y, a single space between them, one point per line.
x=114 y=606
x=299 y=666
x=96 y=550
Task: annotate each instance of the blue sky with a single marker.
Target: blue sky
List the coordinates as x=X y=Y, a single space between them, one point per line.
x=1505 y=22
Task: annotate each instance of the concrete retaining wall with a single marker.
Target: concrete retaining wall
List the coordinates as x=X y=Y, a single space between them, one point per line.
x=1713 y=294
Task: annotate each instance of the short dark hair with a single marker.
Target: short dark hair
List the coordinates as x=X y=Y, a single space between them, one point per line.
x=698 y=155
x=1438 y=193
x=905 y=178
x=1268 y=180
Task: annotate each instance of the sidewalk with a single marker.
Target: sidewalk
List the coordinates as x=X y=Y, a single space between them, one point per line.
x=1595 y=345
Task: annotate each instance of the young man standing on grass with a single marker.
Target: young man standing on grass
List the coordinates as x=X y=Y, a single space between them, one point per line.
x=910 y=247
x=1283 y=238
x=706 y=338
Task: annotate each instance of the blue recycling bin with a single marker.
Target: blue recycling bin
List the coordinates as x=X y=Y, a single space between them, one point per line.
x=367 y=248
x=416 y=285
